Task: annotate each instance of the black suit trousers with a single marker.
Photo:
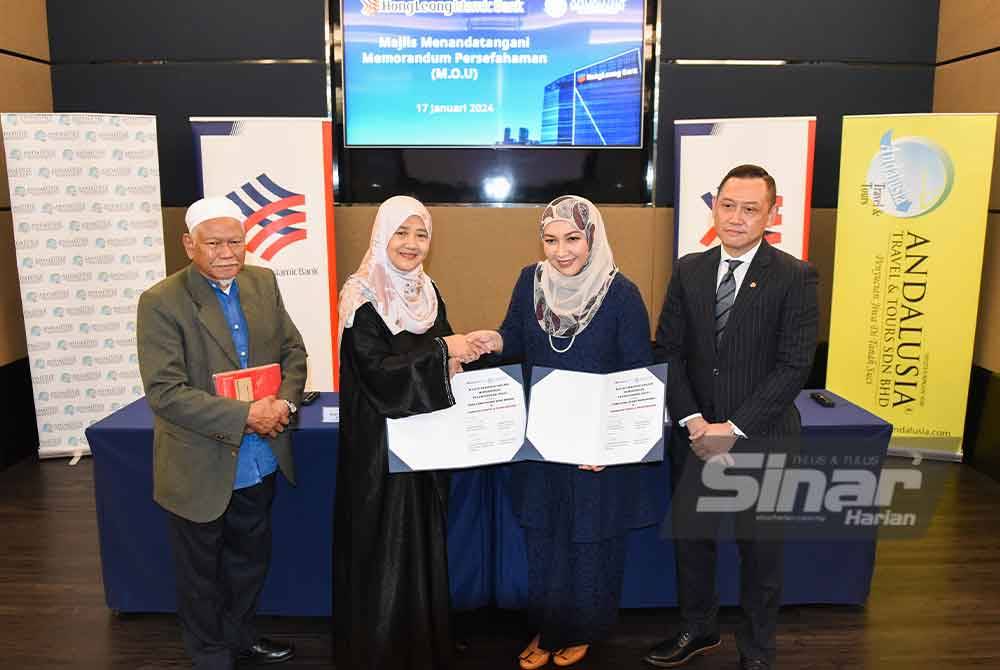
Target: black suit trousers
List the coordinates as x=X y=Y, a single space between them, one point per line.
x=220 y=568
x=696 y=546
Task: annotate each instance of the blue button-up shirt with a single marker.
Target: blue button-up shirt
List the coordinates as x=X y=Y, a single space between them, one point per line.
x=256 y=460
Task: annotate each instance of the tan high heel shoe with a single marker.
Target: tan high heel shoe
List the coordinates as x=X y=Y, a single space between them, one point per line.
x=570 y=655
x=533 y=656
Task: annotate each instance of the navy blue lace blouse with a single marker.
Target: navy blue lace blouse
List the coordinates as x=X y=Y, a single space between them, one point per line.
x=592 y=506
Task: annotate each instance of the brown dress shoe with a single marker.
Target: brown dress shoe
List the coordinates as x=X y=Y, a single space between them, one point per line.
x=570 y=655
x=533 y=656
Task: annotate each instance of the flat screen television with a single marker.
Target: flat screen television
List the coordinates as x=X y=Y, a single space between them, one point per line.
x=493 y=73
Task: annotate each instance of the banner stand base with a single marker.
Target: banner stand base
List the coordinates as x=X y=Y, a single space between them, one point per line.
x=929 y=454
x=74 y=456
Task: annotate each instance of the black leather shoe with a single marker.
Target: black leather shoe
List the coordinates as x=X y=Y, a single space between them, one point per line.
x=266 y=652
x=679 y=650
x=754 y=664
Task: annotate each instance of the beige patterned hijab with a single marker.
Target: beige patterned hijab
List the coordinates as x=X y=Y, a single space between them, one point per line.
x=405 y=300
x=565 y=305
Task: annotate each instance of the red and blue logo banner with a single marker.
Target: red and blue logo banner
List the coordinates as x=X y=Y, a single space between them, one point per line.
x=272 y=222
x=278 y=171
x=707 y=149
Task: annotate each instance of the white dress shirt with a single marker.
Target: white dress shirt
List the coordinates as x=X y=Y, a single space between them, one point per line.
x=741 y=270
x=738 y=274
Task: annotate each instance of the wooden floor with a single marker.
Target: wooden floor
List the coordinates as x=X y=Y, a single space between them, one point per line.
x=935 y=601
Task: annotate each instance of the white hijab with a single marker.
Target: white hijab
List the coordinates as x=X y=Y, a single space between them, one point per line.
x=565 y=305
x=405 y=300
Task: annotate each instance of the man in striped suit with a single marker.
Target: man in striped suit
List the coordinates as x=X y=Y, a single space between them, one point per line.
x=738 y=330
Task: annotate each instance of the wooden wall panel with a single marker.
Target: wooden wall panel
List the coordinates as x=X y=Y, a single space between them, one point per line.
x=12 y=342
x=476 y=256
x=354 y=228
x=663 y=260
x=173 y=229
x=966 y=27
x=632 y=233
x=822 y=237
x=479 y=251
x=987 y=352
x=477 y=247
x=26 y=87
x=972 y=85
x=24 y=29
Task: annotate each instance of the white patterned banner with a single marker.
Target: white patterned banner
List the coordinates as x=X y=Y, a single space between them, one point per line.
x=85 y=198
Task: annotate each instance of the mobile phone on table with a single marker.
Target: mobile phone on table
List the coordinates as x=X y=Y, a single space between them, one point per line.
x=822 y=399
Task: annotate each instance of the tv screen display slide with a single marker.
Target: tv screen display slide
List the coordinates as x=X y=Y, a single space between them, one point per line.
x=487 y=73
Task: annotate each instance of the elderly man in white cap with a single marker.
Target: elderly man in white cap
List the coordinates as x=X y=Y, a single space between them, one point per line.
x=216 y=458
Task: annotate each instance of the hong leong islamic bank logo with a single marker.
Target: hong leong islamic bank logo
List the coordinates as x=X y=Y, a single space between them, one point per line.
x=445 y=7
x=556 y=8
x=909 y=176
x=272 y=220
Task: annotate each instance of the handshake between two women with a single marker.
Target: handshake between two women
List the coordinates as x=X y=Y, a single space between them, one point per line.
x=468 y=348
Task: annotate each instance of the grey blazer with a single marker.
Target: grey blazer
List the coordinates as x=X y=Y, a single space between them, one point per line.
x=183 y=339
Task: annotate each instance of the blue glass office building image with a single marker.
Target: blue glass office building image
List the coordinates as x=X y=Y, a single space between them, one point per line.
x=597 y=105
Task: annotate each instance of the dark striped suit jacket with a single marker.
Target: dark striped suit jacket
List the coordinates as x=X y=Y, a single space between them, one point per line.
x=766 y=351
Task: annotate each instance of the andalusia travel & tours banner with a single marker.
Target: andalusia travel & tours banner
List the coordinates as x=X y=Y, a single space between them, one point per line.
x=911 y=222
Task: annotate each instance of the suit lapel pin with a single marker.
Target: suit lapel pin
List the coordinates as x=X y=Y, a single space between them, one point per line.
x=753 y=284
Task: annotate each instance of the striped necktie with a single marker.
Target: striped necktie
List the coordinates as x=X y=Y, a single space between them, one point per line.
x=725 y=295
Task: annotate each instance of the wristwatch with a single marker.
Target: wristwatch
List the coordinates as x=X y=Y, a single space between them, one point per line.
x=292 y=409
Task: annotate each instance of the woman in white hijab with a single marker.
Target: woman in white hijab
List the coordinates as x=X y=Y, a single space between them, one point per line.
x=397 y=354
x=574 y=311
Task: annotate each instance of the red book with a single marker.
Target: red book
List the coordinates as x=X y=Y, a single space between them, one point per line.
x=249 y=384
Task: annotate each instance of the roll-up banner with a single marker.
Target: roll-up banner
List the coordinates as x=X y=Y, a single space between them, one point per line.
x=278 y=171
x=706 y=149
x=911 y=223
x=88 y=232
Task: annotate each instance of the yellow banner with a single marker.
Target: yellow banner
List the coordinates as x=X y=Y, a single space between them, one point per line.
x=911 y=219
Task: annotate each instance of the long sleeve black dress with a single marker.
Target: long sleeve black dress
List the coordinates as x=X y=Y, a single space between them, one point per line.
x=390 y=592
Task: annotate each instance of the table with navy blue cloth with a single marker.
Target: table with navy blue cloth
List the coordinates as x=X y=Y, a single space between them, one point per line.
x=832 y=571
x=136 y=560
x=485 y=544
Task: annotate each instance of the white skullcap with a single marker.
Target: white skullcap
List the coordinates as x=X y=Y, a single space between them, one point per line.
x=217 y=207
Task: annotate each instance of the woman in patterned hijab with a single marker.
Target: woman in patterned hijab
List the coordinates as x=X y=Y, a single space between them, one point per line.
x=565 y=303
x=575 y=311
